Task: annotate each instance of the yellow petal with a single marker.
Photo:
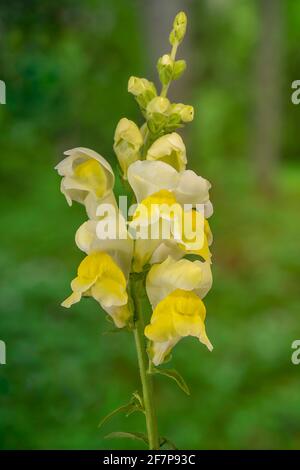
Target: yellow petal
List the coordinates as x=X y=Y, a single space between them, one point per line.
x=72 y=299
x=195 y=231
x=92 y=174
x=160 y=204
x=100 y=277
x=108 y=291
x=180 y=314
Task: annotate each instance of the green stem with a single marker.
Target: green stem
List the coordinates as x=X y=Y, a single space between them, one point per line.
x=146 y=378
x=165 y=88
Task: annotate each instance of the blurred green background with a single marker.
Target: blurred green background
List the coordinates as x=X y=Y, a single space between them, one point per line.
x=66 y=65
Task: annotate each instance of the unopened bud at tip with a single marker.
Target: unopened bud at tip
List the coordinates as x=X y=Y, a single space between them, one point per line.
x=179 y=28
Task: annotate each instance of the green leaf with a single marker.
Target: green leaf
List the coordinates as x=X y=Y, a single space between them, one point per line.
x=135 y=404
x=138 y=436
x=173 y=374
x=163 y=441
x=122 y=409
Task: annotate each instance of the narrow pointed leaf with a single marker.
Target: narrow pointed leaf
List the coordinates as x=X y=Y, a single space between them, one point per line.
x=122 y=409
x=173 y=374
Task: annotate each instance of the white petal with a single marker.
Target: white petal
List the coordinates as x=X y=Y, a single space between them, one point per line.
x=121 y=250
x=159 y=351
x=192 y=188
x=120 y=315
x=80 y=191
x=92 y=203
x=82 y=152
x=165 y=249
x=208 y=209
x=143 y=250
x=148 y=177
x=206 y=278
x=170 y=275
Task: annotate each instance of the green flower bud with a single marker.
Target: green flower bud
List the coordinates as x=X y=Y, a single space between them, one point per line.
x=179 y=68
x=179 y=28
x=157 y=123
x=185 y=111
x=158 y=105
x=142 y=89
x=165 y=66
x=128 y=141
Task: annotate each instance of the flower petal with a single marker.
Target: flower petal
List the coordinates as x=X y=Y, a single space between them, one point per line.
x=100 y=277
x=169 y=149
x=121 y=315
x=164 y=278
x=180 y=314
x=88 y=239
x=192 y=189
x=127 y=143
x=148 y=177
x=85 y=172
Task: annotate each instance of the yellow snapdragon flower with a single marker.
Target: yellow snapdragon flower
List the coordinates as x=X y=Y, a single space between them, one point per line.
x=100 y=277
x=175 y=290
x=87 y=178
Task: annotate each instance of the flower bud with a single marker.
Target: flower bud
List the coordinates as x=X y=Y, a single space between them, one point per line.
x=142 y=89
x=169 y=149
x=179 y=68
x=186 y=112
x=127 y=143
x=158 y=105
x=137 y=85
x=165 y=66
x=179 y=28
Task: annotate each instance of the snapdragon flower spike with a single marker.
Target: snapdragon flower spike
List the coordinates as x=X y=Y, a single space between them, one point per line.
x=100 y=277
x=175 y=290
x=87 y=178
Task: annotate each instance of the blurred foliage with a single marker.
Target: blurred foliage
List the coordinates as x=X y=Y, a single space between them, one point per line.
x=66 y=65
